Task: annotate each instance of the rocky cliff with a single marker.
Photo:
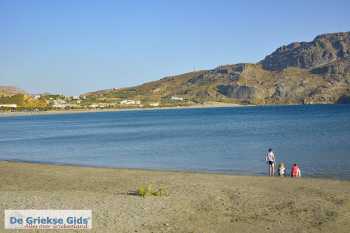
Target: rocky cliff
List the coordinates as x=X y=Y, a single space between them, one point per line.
x=324 y=49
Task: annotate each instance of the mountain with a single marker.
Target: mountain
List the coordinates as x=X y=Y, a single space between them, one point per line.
x=240 y=83
x=298 y=73
x=324 y=49
x=10 y=91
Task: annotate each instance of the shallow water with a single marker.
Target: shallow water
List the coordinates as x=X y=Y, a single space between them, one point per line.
x=229 y=140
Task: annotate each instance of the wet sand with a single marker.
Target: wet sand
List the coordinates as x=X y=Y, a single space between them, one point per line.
x=195 y=202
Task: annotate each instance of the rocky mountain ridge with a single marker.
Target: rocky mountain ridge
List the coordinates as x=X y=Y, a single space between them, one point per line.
x=324 y=49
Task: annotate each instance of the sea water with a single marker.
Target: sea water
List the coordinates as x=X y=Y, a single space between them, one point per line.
x=224 y=140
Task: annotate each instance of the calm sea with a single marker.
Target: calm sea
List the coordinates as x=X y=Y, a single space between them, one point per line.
x=227 y=140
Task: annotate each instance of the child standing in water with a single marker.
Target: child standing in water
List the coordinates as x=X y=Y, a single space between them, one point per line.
x=281 y=169
x=270 y=159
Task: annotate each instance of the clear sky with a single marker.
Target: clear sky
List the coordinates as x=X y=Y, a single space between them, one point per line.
x=75 y=46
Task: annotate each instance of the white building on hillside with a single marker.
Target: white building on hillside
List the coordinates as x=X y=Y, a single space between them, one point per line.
x=177 y=98
x=130 y=102
x=59 y=103
x=93 y=106
x=8 y=105
x=154 y=104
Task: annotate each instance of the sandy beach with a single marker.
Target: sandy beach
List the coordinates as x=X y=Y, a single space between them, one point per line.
x=195 y=202
x=56 y=112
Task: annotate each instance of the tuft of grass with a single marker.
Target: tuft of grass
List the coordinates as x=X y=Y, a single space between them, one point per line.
x=141 y=191
x=144 y=191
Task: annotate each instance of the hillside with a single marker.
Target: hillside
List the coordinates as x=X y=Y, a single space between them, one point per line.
x=14 y=96
x=10 y=91
x=299 y=73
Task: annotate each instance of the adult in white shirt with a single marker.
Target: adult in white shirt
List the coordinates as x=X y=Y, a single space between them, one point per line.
x=271 y=160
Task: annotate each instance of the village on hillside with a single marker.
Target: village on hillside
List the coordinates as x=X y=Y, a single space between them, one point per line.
x=43 y=102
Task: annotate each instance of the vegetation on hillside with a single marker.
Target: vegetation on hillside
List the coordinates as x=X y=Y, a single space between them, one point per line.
x=24 y=102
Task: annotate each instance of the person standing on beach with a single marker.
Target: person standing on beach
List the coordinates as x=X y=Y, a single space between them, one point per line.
x=270 y=159
x=295 y=171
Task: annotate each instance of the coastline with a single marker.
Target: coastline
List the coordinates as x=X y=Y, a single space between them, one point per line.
x=189 y=171
x=77 y=111
x=196 y=202
x=202 y=106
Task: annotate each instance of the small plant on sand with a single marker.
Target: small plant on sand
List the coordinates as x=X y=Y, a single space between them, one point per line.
x=160 y=192
x=141 y=191
x=149 y=191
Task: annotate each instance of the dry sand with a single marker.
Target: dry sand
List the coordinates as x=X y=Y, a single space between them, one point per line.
x=196 y=202
x=74 y=111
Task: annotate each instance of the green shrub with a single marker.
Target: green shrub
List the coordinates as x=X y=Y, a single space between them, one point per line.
x=141 y=191
x=149 y=191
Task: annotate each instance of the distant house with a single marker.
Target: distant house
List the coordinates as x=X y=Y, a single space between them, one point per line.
x=155 y=104
x=93 y=105
x=75 y=97
x=37 y=97
x=59 y=103
x=104 y=105
x=130 y=102
x=8 y=105
x=59 y=106
x=177 y=98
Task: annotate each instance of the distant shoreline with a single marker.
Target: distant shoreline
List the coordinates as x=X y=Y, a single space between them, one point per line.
x=59 y=112
x=217 y=105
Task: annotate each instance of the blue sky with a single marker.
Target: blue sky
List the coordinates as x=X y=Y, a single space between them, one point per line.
x=76 y=46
